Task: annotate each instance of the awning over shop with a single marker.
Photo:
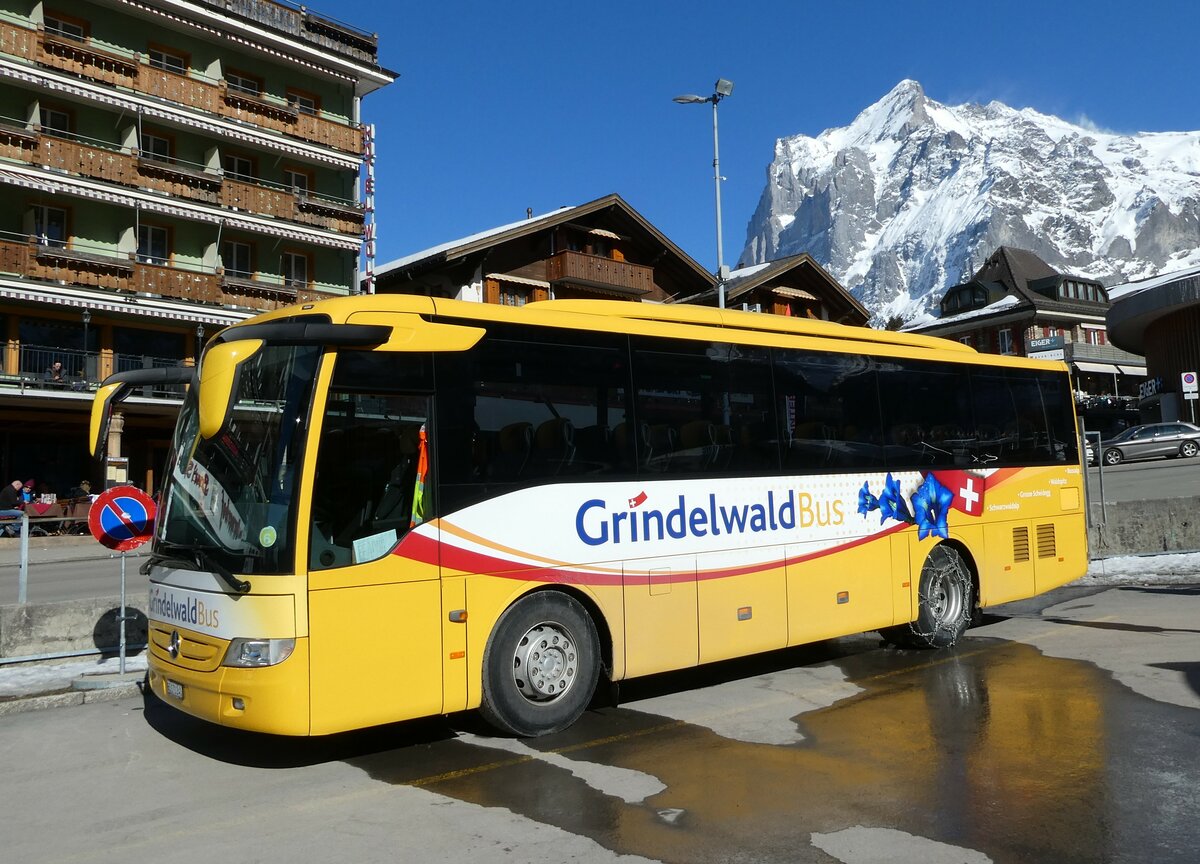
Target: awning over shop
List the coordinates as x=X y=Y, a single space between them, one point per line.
x=1140 y=371
x=1106 y=368
x=795 y=293
x=518 y=280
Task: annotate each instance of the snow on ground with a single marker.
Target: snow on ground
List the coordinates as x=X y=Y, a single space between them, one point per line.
x=1181 y=568
x=31 y=678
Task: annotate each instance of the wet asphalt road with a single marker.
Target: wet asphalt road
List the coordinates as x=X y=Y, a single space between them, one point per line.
x=1063 y=730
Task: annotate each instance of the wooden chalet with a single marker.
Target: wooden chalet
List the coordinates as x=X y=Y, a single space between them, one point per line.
x=1016 y=303
x=796 y=286
x=603 y=249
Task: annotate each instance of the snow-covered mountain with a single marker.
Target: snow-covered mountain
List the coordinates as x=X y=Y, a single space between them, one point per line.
x=912 y=196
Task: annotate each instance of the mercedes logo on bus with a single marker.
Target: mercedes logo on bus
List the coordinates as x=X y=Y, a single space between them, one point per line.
x=173 y=648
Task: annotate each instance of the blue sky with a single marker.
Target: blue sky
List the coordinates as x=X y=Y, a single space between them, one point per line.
x=504 y=106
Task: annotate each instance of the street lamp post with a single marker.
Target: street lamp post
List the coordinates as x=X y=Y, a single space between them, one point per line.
x=87 y=317
x=721 y=89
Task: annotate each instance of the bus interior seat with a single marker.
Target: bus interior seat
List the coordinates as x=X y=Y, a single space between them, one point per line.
x=394 y=509
x=660 y=448
x=553 y=446
x=811 y=445
x=593 y=449
x=629 y=451
x=697 y=446
x=723 y=440
x=513 y=446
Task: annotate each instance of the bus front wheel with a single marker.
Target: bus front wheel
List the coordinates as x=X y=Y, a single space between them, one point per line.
x=945 y=603
x=541 y=665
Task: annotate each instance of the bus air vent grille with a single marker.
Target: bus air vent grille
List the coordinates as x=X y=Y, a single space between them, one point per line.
x=1020 y=544
x=203 y=654
x=1045 y=541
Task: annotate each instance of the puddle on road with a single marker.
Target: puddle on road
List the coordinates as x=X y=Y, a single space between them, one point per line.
x=993 y=748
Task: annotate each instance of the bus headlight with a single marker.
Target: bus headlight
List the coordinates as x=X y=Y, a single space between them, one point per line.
x=258 y=652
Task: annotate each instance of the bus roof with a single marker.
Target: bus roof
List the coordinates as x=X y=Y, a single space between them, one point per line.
x=677 y=318
x=736 y=319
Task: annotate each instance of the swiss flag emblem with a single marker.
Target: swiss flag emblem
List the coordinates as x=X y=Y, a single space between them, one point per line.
x=968 y=489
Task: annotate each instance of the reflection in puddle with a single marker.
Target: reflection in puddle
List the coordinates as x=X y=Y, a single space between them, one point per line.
x=993 y=748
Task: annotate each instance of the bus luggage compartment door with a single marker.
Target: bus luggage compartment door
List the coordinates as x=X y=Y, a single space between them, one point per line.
x=661 y=630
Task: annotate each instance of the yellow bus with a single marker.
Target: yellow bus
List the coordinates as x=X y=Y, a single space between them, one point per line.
x=386 y=507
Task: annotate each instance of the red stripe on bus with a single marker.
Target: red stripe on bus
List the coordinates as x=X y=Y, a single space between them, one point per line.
x=423 y=549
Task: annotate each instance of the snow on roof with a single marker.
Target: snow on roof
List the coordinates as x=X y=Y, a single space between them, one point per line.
x=1003 y=303
x=398 y=263
x=743 y=272
x=1131 y=288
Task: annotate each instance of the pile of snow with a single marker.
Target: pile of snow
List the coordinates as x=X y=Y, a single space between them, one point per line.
x=1181 y=568
x=33 y=678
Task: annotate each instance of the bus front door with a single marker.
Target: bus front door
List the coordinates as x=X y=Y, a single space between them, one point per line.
x=375 y=612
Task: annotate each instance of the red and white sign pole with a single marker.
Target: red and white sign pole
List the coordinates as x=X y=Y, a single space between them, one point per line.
x=1191 y=390
x=122 y=518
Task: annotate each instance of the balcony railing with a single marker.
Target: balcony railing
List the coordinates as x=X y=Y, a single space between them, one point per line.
x=1102 y=354
x=131 y=71
x=176 y=177
x=299 y=22
x=81 y=371
x=595 y=271
x=123 y=273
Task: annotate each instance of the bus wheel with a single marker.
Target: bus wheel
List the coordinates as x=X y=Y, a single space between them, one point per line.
x=945 y=599
x=541 y=665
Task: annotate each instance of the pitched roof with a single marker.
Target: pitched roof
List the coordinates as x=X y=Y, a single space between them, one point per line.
x=744 y=280
x=1018 y=271
x=503 y=233
x=1014 y=268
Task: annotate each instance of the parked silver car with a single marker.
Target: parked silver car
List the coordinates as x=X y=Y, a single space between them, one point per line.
x=1150 y=441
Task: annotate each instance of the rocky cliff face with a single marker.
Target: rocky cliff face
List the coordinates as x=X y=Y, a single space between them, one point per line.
x=912 y=196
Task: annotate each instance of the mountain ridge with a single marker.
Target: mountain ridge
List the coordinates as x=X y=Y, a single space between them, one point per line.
x=912 y=195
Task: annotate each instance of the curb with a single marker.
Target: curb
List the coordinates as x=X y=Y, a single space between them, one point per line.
x=64 y=698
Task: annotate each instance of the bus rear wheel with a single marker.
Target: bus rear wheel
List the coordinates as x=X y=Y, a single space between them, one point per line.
x=541 y=666
x=945 y=603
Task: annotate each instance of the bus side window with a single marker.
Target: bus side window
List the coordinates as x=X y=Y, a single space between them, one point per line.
x=541 y=405
x=690 y=399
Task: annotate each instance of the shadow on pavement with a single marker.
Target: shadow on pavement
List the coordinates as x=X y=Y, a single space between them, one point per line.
x=257 y=750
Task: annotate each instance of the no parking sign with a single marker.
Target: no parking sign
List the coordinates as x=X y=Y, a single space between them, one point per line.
x=122 y=518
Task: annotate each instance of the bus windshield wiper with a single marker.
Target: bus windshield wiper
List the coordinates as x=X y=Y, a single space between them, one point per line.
x=202 y=559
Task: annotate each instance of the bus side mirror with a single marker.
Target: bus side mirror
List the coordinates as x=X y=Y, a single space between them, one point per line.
x=219 y=369
x=116 y=388
x=106 y=396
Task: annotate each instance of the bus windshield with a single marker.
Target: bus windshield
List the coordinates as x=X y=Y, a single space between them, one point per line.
x=230 y=497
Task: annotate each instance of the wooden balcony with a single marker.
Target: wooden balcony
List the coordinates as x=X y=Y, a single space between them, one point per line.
x=122 y=273
x=178 y=180
x=80 y=58
x=17 y=142
x=594 y=271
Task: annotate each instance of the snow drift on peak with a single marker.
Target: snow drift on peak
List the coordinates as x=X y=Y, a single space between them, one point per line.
x=913 y=195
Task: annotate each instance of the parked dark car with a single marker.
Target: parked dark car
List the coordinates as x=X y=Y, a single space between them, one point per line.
x=1151 y=441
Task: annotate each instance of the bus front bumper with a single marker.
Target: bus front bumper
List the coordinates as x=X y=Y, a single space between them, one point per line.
x=271 y=699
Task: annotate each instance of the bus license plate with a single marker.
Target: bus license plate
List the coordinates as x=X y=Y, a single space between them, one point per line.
x=174 y=689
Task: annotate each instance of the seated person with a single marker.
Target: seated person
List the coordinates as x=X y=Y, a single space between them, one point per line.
x=54 y=374
x=76 y=508
x=11 y=505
